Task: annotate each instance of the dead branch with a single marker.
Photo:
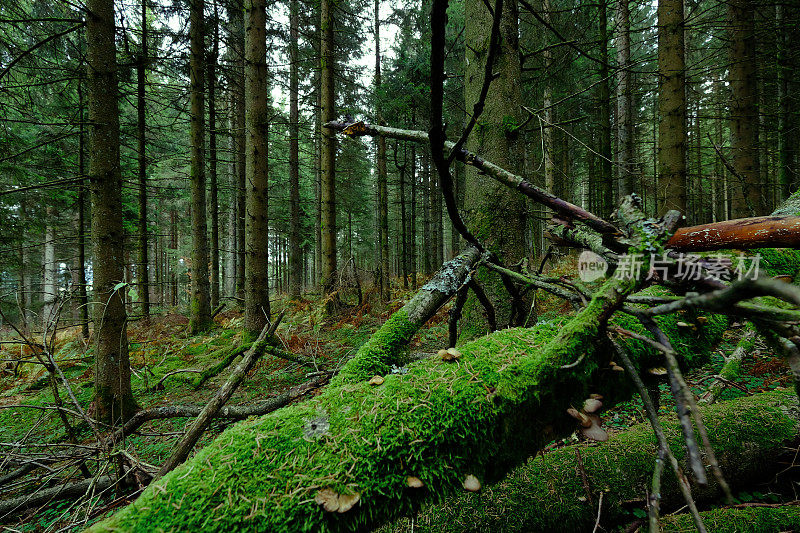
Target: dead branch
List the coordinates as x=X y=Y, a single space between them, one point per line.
x=198 y=427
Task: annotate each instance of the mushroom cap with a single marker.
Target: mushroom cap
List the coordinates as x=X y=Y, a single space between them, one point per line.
x=414 y=482
x=471 y=483
x=376 y=380
x=592 y=405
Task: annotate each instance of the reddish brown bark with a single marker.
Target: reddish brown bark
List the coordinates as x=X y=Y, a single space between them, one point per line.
x=743 y=233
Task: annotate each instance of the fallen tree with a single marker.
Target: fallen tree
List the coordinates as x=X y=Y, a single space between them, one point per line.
x=366 y=451
x=752 y=518
x=560 y=490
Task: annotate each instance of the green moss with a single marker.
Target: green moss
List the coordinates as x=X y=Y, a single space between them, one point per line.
x=746 y=520
x=503 y=400
x=381 y=350
x=546 y=494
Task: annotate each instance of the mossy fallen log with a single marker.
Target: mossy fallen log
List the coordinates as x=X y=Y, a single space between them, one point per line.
x=227 y=359
x=352 y=449
x=739 y=520
x=549 y=493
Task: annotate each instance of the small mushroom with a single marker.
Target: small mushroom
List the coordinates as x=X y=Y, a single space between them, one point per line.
x=617 y=368
x=657 y=371
x=683 y=324
x=450 y=354
x=592 y=405
x=332 y=501
x=376 y=380
x=471 y=483
x=328 y=499
x=414 y=482
x=579 y=416
x=442 y=354
x=595 y=432
x=596 y=396
x=702 y=320
x=347 y=501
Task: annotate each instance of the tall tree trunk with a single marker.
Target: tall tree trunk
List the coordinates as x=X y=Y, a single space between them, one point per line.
x=383 y=194
x=606 y=183
x=318 y=185
x=671 y=182
x=212 y=160
x=25 y=298
x=625 y=157
x=83 y=303
x=233 y=217
x=237 y=19
x=142 y=273
x=328 y=147
x=427 y=237
x=403 y=225
x=295 y=257
x=548 y=133
x=199 y=305
x=112 y=376
x=787 y=145
x=496 y=215
x=743 y=80
x=49 y=285
x=256 y=90
x=413 y=236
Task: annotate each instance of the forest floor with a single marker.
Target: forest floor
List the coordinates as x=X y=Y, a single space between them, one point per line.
x=161 y=346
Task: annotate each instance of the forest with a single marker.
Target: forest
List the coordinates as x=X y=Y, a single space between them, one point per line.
x=400 y=265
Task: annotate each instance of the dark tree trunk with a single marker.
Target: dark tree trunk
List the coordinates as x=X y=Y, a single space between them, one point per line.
x=328 y=147
x=743 y=80
x=213 y=208
x=256 y=294
x=671 y=108
x=199 y=305
x=295 y=257
x=141 y=269
x=113 y=397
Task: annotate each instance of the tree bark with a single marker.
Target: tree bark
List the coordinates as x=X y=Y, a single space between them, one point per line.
x=743 y=79
x=142 y=273
x=671 y=182
x=295 y=256
x=328 y=146
x=49 y=284
x=626 y=164
x=256 y=294
x=383 y=194
x=604 y=106
x=213 y=208
x=113 y=397
x=199 y=304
